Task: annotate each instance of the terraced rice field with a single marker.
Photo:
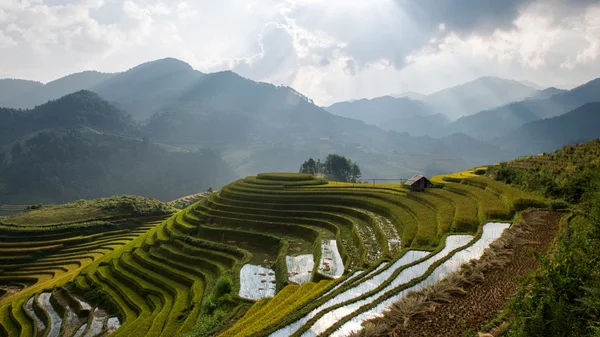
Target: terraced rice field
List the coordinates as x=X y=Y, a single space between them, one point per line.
x=317 y=258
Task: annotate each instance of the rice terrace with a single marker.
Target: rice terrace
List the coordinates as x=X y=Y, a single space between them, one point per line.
x=277 y=254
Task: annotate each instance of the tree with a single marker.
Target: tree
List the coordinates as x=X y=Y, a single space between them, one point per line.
x=309 y=166
x=355 y=173
x=337 y=167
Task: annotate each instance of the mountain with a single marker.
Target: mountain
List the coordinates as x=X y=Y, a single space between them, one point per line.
x=40 y=94
x=389 y=113
x=145 y=89
x=494 y=123
x=547 y=135
x=481 y=94
x=81 y=146
x=82 y=108
x=10 y=88
x=258 y=127
x=548 y=92
x=473 y=150
x=532 y=84
x=410 y=94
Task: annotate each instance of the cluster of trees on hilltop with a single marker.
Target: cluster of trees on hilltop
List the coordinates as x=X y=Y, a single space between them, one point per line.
x=335 y=166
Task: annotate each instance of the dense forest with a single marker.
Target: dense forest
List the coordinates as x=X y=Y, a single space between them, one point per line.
x=62 y=166
x=81 y=146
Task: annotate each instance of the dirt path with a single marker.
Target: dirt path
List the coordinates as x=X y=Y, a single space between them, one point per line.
x=483 y=301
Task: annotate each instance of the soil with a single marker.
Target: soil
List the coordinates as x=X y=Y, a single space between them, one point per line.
x=10 y=290
x=484 y=301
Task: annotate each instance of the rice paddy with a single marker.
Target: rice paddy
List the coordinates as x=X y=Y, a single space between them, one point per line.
x=316 y=257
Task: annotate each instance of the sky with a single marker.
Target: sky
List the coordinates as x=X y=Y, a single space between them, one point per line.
x=329 y=50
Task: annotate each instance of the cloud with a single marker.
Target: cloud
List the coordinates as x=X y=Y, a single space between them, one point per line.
x=327 y=49
x=277 y=60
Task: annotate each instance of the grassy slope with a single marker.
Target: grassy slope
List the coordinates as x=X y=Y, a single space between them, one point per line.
x=88 y=210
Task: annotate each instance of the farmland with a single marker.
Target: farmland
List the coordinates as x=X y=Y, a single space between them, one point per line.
x=275 y=254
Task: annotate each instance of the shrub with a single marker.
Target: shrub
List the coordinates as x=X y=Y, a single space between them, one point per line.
x=224 y=286
x=556 y=205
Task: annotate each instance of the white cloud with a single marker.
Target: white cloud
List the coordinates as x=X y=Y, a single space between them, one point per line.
x=327 y=49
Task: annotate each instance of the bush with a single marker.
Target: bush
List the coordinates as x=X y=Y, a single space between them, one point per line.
x=556 y=205
x=224 y=286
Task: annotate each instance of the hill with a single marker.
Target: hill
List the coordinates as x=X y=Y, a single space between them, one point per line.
x=83 y=108
x=317 y=249
x=81 y=146
x=548 y=92
x=60 y=166
x=146 y=88
x=494 y=123
x=478 y=95
x=10 y=88
x=40 y=94
x=546 y=135
x=389 y=113
x=410 y=94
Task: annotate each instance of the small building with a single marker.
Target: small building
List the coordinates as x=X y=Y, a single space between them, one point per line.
x=418 y=182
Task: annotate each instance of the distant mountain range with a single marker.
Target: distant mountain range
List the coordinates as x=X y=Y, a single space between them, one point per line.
x=399 y=114
x=431 y=114
x=494 y=123
x=249 y=127
x=481 y=94
x=547 y=135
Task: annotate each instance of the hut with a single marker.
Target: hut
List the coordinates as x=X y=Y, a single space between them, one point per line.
x=418 y=182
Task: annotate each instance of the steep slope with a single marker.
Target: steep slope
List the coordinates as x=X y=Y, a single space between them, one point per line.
x=481 y=94
x=10 y=88
x=547 y=135
x=495 y=123
x=55 y=89
x=389 y=113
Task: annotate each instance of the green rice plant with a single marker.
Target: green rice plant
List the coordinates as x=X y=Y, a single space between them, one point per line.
x=427 y=223
x=446 y=211
x=285 y=302
x=466 y=214
x=173 y=295
x=516 y=199
x=489 y=205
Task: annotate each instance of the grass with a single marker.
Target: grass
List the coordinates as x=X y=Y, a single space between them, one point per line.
x=87 y=210
x=273 y=310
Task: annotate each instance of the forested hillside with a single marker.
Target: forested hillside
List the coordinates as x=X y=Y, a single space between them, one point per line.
x=81 y=146
x=547 y=135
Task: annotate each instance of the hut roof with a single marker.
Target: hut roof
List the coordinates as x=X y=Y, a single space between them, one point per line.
x=414 y=179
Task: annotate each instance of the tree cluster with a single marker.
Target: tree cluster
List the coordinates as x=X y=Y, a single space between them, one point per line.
x=335 y=166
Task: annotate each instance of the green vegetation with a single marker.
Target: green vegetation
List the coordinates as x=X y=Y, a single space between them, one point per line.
x=563 y=298
x=87 y=210
x=182 y=276
x=338 y=167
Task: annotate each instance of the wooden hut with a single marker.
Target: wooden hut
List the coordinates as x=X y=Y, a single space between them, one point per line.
x=419 y=183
